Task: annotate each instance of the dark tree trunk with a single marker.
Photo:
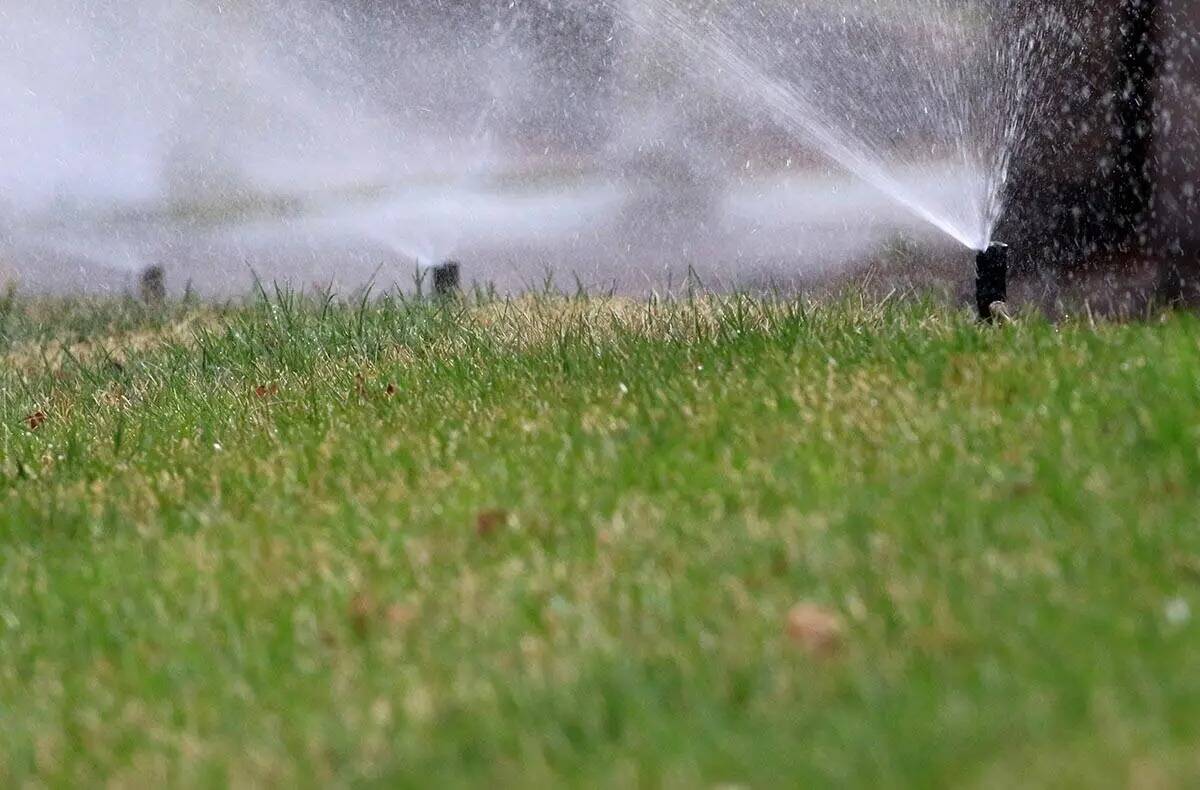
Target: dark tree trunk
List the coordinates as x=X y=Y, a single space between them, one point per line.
x=1177 y=155
x=1134 y=117
x=1083 y=194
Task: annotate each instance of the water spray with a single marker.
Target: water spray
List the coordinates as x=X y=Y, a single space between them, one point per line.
x=991 y=280
x=447 y=278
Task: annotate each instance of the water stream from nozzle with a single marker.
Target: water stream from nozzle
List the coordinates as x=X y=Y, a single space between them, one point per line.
x=882 y=90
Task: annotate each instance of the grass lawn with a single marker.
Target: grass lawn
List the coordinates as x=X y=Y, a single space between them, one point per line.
x=722 y=542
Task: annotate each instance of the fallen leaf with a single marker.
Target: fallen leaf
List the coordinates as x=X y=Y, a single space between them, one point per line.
x=266 y=391
x=488 y=522
x=400 y=615
x=391 y=390
x=36 y=420
x=362 y=612
x=815 y=629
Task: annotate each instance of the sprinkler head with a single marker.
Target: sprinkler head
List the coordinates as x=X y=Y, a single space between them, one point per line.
x=991 y=281
x=152 y=285
x=447 y=278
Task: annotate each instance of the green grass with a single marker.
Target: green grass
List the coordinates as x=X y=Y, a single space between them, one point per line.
x=564 y=548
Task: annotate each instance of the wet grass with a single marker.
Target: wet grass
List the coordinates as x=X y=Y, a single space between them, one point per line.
x=549 y=541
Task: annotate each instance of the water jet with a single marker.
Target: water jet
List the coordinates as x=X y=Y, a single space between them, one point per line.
x=991 y=280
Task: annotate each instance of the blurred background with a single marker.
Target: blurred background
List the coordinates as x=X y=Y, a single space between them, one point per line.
x=332 y=143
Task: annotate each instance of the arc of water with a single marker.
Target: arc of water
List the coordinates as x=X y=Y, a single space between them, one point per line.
x=711 y=49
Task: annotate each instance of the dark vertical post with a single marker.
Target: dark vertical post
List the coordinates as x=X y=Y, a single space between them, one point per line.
x=447 y=278
x=1134 y=117
x=991 y=280
x=153 y=285
x=1177 y=151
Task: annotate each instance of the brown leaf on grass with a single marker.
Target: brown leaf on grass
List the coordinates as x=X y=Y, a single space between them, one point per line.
x=818 y=631
x=362 y=613
x=264 y=391
x=391 y=390
x=489 y=522
x=366 y=614
x=35 y=420
x=399 y=616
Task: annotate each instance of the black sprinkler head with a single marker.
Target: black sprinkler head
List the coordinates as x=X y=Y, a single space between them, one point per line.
x=152 y=285
x=991 y=280
x=447 y=278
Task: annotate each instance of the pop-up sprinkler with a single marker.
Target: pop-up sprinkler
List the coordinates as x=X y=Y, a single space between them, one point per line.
x=447 y=278
x=991 y=280
x=152 y=285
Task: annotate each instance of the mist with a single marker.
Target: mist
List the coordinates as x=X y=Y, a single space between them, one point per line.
x=336 y=143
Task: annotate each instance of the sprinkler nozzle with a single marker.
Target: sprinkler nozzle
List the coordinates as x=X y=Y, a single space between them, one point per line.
x=991 y=280
x=152 y=285
x=447 y=278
